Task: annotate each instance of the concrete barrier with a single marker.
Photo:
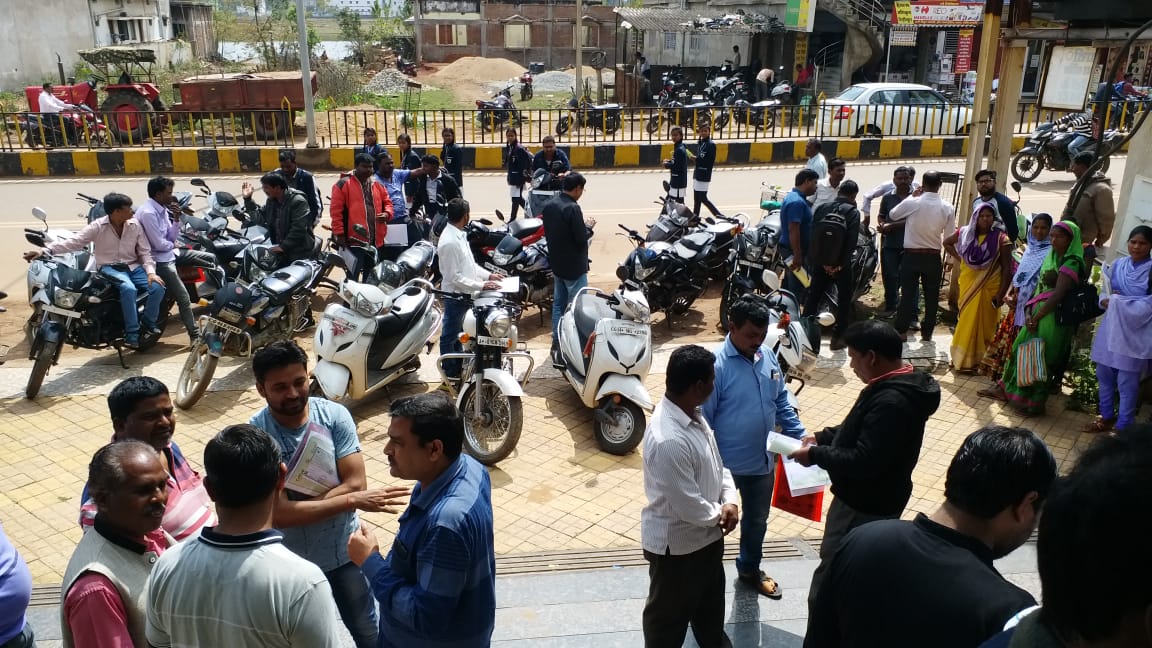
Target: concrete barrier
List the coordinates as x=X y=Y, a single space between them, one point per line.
x=256 y=160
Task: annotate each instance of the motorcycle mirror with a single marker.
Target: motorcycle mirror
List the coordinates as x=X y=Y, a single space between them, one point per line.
x=197 y=182
x=484 y=221
x=826 y=319
x=1015 y=186
x=40 y=215
x=667 y=187
x=621 y=272
x=500 y=215
x=771 y=279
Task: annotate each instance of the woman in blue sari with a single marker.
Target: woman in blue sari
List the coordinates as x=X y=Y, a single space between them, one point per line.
x=1123 y=345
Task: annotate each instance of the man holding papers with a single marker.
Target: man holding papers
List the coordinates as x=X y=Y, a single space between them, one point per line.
x=749 y=401
x=870 y=456
x=325 y=484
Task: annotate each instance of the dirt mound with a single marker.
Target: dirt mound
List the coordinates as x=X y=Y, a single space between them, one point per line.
x=474 y=69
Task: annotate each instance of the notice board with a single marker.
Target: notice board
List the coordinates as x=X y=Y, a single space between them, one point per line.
x=1069 y=75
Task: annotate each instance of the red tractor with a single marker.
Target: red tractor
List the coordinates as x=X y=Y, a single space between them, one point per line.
x=131 y=100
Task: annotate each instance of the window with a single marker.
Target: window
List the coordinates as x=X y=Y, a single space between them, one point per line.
x=517 y=36
x=851 y=93
x=888 y=98
x=451 y=34
x=653 y=40
x=925 y=98
x=670 y=40
x=696 y=43
x=127 y=30
x=591 y=36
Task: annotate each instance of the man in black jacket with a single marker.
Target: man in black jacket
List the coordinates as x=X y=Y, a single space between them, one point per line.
x=407 y=159
x=302 y=181
x=678 y=166
x=838 y=274
x=434 y=189
x=453 y=156
x=518 y=162
x=566 y=231
x=870 y=456
x=287 y=216
x=702 y=177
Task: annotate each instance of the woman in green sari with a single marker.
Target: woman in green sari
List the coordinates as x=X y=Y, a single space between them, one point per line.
x=1063 y=269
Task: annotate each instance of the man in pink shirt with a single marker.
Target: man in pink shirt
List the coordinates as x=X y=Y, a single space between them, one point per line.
x=103 y=592
x=123 y=255
x=141 y=410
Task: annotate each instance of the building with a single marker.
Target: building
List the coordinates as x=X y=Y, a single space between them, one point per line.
x=47 y=29
x=192 y=22
x=528 y=32
x=362 y=7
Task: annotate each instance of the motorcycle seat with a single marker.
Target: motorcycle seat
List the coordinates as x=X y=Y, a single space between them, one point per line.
x=195 y=258
x=285 y=282
x=587 y=311
x=229 y=247
x=407 y=304
x=416 y=258
x=525 y=227
x=611 y=106
x=694 y=245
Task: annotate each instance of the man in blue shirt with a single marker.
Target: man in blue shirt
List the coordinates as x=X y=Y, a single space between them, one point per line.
x=317 y=525
x=437 y=586
x=393 y=180
x=749 y=401
x=796 y=227
x=162 y=227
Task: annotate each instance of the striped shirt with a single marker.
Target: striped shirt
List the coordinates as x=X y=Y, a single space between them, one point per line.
x=685 y=481
x=189 y=507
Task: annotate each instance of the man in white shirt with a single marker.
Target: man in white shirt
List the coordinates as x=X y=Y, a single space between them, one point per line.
x=816 y=160
x=49 y=103
x=828 y=188
x=926 y=220
x=237 y=584
x=691 y=507
x=461 y=274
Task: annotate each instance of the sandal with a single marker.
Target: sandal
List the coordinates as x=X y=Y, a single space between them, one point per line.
x=994 y=392
x=764 y=584
x=1098 y=426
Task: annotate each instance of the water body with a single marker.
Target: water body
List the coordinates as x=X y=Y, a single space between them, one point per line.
x=241 y=52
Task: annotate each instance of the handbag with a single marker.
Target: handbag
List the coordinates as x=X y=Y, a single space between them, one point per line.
x=1030 y=368
x=1081 y=304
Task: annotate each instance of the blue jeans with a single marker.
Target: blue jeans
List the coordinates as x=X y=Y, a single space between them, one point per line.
x=26 y=639
x=756 y=503
x=454 y=312
x=1078 y=143
x=130 y=283
x=563 y=291
x=355 y=603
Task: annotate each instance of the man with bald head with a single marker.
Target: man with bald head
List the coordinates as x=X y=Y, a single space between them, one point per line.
x=102 y=596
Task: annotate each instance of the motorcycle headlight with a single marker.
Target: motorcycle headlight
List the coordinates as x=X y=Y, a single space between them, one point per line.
x=753 y=252
x=641 y=272
x=258 y=304
x=365 y=306
x=65 y=298
x=257 y=274
x=500 y=258
x=640 y=312
x=498 y=323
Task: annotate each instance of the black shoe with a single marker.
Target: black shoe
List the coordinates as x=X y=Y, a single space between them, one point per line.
x=557 y=358
x=914 y=326
x=837 y=344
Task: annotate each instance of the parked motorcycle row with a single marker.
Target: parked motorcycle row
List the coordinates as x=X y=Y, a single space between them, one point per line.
x=726 y=97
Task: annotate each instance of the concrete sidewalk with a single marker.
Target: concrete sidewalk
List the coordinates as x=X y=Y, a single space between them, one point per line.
x=601 y=608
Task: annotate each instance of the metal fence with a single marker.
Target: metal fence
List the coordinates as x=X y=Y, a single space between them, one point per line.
x=341 y=128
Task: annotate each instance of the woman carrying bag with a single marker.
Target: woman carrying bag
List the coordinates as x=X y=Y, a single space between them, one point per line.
x=985 y=255
x=1023 y=286
x=1062 y=271
x=1122 y=349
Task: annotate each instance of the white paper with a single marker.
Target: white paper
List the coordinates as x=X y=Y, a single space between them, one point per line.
x=782 y=445
x=397 y=234
x=510 y=285
x=805 y=480
x=312 y=470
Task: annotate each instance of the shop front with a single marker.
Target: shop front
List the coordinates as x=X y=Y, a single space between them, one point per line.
x=934 y=42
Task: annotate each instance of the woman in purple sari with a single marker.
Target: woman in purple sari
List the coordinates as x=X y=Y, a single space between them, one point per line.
x=1122 y=349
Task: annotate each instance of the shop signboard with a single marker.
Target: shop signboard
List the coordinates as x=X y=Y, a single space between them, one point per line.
x=964 y=51
x=1069 y=77
x=902 y=13
x=943 y=13
x=800 y=15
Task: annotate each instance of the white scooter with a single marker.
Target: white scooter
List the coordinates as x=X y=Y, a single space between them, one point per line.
x=606 y=346
x=38 y=270
x=789 y=337
x=373 y=340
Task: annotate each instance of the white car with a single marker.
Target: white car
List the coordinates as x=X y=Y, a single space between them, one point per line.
x=882 y=109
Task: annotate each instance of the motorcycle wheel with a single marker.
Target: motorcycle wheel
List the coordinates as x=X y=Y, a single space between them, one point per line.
x=625 y=432
x=729 y=295
x=721 y=120
x=767 y=119
x=44 y=360
x=563 y=125
x=195 y=376
x=653 y=125
x=490 y=441
x=1026 y=167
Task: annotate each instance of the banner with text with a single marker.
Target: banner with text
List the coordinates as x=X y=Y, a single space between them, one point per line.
x=800 y=15
x=964 y=51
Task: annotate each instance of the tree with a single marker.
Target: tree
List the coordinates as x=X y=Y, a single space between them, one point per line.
x=352 y=30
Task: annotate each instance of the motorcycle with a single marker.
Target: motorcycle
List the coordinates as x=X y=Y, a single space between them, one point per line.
x=674 y=84
x=1047 y=148
x=794 y=340
x=488 y=394
x=84 y=312
x=762 y=114
x=757 y=265
x=40 y=271
x=77 y=126
x=374 y=338
x=676 y=220
x=263 y=304
x=672 y=274
x=405 y=66
x=544 y=187
x=526 y=86
x=606 y=345
x=693 y=116
x=494 y=115
x=585 y=114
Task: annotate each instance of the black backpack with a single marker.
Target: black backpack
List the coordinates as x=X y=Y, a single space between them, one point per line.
x=829 y=234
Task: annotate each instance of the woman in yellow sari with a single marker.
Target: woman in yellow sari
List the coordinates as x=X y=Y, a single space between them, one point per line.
x=985 y=255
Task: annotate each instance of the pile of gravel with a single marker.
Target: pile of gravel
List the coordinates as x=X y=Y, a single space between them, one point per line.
x=387 y=82
x=564 y=81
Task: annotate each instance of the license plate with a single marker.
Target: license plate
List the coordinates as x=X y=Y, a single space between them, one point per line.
x=626 y=330
x=494 y=268
x=224 y=325
x=60 y=311
x=484 y=340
